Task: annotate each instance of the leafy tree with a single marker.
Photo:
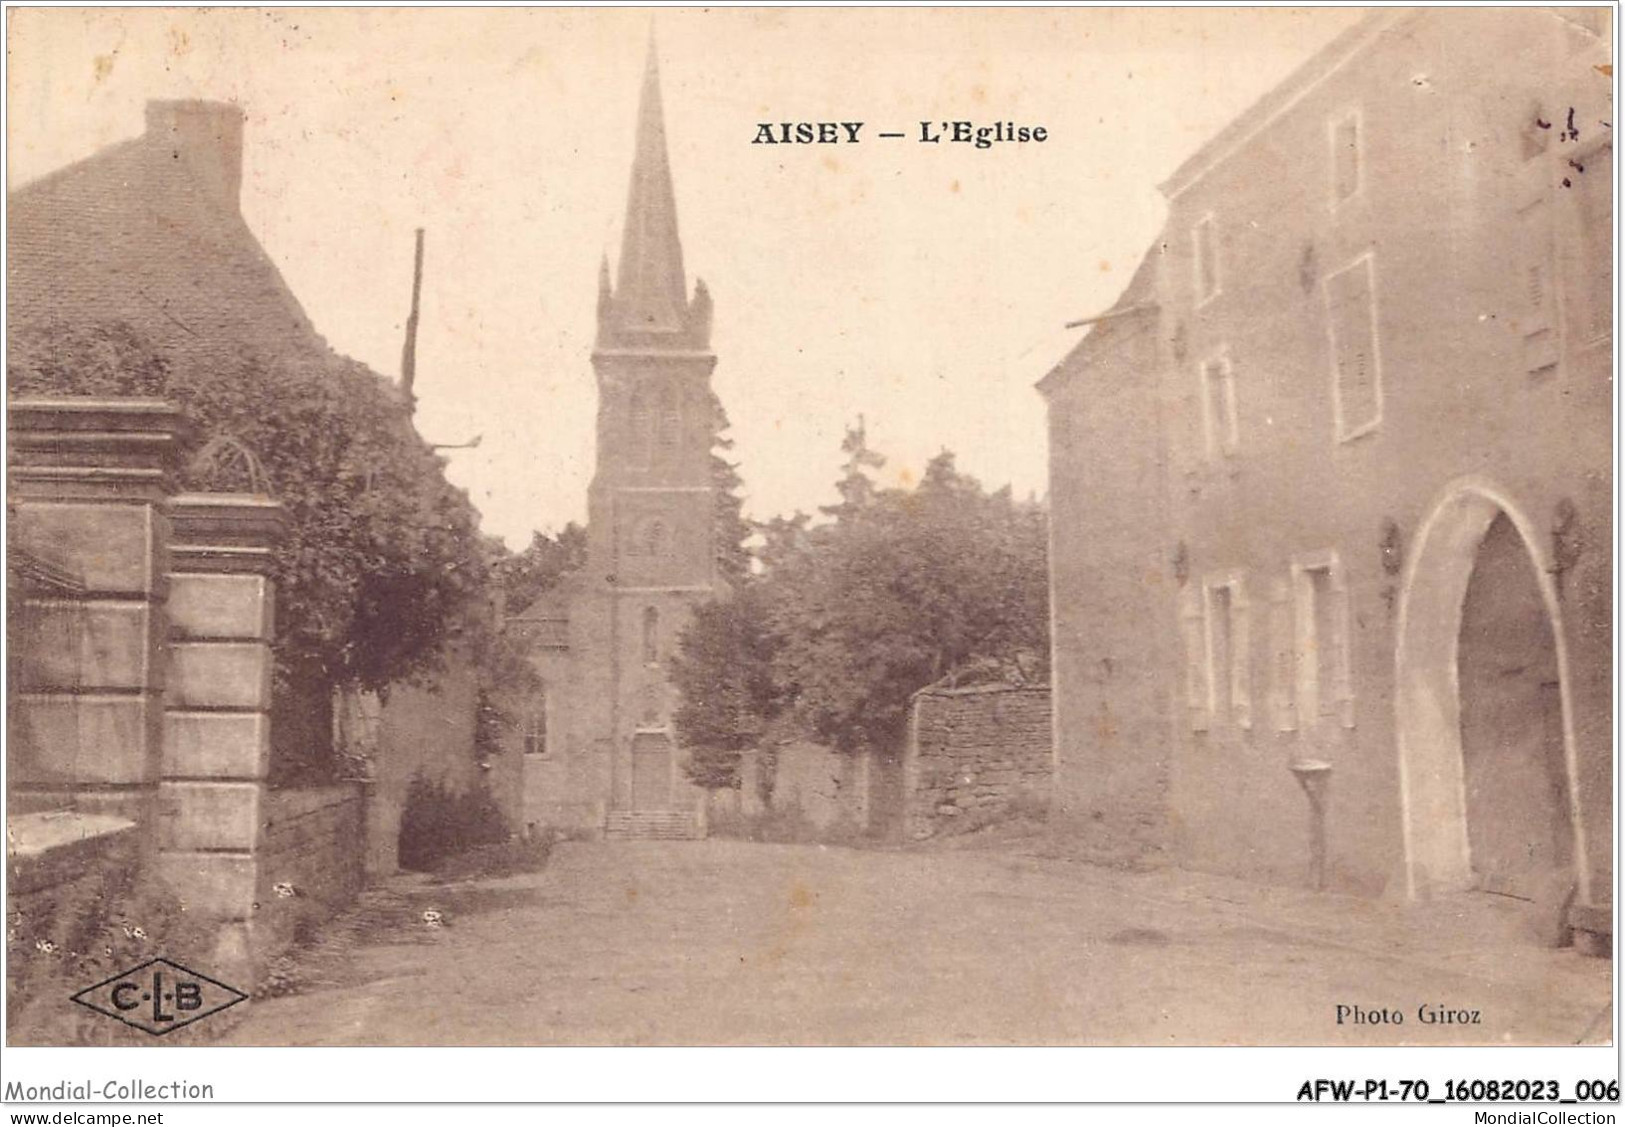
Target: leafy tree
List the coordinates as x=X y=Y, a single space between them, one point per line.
x=382 y=554
x=526 y=576
x=724 y=670
x=851 y=617
x=730 y=528
x=904 y=589
x=856 y=487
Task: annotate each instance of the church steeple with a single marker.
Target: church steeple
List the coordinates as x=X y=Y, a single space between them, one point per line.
x=649 y=303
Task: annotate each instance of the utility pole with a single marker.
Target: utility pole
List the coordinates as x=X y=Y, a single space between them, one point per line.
x=409 y=351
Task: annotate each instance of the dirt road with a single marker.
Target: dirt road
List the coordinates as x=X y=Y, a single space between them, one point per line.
x=723 y=942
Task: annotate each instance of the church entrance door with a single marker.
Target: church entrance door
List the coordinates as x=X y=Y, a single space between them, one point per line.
x=651 y=771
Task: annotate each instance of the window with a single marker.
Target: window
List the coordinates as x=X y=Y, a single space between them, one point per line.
x=1345 y=141
x=1193 y=629
x=535 y=728
x=1206 y=259
x=1589 y=308
x=1218 y=648
x=640 y=425
x=1351 y=317
x=1325 y=692
x=668 y=424
x=1538 y=322
x=1220 y=426
x=651 y=635
x=650 y=538
x=1229 y=686
x=1283 y=658
x=656 y=539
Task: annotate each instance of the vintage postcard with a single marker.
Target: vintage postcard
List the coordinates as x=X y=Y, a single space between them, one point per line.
x=811 y=527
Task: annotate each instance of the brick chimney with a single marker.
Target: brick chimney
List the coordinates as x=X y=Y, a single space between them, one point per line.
x=207 y=137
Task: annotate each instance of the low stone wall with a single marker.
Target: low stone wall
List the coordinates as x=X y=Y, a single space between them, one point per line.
x=973 y=754
x=311 y=860
x=795 y=791
x=83 y=904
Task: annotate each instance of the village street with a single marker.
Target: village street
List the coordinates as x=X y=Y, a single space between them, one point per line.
x=722 y=942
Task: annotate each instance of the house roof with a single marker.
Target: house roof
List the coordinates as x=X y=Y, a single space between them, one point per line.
x=1138 y=299
x=148 y=232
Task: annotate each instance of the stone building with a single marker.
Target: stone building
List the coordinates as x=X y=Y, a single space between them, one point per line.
x=1331 y=482
x=148 y=234
x=599 y=747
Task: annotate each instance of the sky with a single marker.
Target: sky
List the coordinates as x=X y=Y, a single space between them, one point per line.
x=924 y=288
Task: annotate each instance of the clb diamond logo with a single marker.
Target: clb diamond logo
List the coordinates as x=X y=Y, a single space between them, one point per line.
x=159 y=997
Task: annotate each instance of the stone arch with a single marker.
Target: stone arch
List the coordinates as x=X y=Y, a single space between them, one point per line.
x=1427 y=701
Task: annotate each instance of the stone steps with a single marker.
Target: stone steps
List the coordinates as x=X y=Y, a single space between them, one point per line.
x=653 y=825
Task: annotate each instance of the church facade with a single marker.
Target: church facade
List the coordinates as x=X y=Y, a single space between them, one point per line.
x=599 y=751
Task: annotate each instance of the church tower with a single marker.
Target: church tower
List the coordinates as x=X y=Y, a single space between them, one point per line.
x=650 y=507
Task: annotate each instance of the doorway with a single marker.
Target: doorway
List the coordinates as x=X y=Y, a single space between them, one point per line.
x=651 y=771
x=1513 y=776
x=1486 y=750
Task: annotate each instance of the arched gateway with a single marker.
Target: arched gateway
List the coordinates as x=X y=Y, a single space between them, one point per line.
x=1487 y=757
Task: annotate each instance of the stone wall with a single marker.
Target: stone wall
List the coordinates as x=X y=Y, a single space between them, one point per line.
x=973 y=754
x=144 y=685
x=795 y=791
x=310 y=859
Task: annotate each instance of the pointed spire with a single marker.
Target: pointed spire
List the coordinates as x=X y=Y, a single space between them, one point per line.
x=651 y=292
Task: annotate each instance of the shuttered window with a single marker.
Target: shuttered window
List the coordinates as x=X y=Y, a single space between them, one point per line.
x=1229 y=646
x=1351 y=314
x=1345 y=162
x=1220 y=423
x=1217 y=631
x=1194 y=634
x=1325 y=683
x=1283 y=697
x=1205 y=254
x=1590 y=306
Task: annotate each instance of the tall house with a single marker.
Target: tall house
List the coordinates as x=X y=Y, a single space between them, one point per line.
x=1332 y=488
x=599 y=743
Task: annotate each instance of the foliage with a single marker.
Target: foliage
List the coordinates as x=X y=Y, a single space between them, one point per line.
x=724 y=671
x=730 y=529
x=110 y=918
x=437 y=823
x=528 y=575
x=382 y=553
x=848 y=618
x=490 y=722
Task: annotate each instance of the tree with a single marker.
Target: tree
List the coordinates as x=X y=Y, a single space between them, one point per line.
x=526 y=576
x=382 y=554
x=856 y=487
x=904 y=590
x=730 y=529
x=724 y=671
x=851 y=617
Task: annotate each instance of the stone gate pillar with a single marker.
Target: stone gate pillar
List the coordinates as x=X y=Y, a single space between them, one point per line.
x=217 y=723
x=87 y=482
